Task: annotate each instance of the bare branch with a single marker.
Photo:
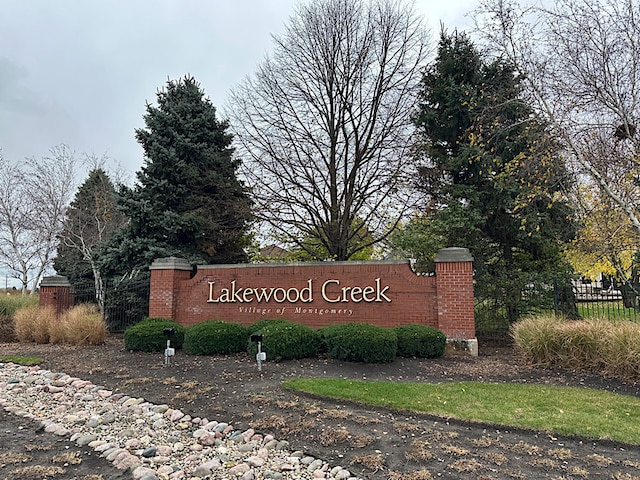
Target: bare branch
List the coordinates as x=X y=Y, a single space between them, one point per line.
x=325 y=122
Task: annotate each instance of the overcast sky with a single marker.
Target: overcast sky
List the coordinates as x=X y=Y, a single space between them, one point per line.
x=80 y=71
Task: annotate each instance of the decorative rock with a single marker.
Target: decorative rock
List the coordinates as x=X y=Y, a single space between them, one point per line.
x=315 y=465
x=282 y=445
x=207 y=438
x=164 y=471
x=202 y=471
x=111 y=456
x=176 y=415
x=220 y=427
x=153 y=442
x=85 y=440
x=125 y=460
x=149 y=476
x=269 y=475
x=271 y=445
x=149 y=452
x=255 y=461
x=239 y=469
x=139 y=472
x=107 y=418
x=246 y=447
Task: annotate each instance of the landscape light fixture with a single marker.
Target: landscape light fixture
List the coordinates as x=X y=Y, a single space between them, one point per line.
x=260 y=356
x=168 y=352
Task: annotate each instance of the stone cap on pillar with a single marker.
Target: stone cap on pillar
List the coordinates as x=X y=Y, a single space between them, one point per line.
x=170 y=263
x=454 y=254
x=55 y=281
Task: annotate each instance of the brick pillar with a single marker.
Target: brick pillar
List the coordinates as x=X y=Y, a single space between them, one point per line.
x=454 y=290
x=56 y=291
x=166 y=275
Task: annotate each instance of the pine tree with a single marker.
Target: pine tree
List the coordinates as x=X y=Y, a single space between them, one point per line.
x=188 y=201
x=492 y=174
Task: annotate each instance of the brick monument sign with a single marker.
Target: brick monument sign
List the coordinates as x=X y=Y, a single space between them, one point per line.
x=386 y=293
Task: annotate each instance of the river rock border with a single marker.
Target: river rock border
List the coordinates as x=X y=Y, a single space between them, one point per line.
x=153 y=442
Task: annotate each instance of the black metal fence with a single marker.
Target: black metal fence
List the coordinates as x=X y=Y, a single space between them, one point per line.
x=126 y=300
x=605 y=298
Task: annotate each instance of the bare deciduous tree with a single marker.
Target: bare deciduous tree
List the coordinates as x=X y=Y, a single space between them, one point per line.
x=581 y=60
x=91 y=219
x=325 y=123
x=33 y=199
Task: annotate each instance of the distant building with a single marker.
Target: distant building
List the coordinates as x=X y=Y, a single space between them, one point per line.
x=273 y=254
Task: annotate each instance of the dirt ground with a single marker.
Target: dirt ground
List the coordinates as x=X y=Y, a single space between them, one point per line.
x=376 y=444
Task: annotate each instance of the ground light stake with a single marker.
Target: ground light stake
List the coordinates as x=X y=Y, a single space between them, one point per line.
x=168 y=352
x=260 y=356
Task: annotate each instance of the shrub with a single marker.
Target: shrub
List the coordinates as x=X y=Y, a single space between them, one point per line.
x=215 y=337
x=360 y=342
x=80 y=325
x=420 y=341
x=148 y=335
x=265 y=322
x=283 y=340
x=327 y=332
x=32 y=323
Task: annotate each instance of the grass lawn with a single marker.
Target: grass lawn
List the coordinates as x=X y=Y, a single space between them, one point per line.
x=20 y=360
x=561 y=410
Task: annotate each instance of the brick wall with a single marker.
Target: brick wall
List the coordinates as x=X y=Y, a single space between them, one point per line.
x=318 y=294
x=56 y=291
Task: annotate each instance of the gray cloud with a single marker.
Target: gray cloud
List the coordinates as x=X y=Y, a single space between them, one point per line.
x=80 y=71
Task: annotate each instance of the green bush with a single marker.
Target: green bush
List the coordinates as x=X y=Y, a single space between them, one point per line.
x=265 y=322
x=327 y=332
x=148 y=335
x=283 y=340
x=360 y=342
x=215 y=337
x=420 y=341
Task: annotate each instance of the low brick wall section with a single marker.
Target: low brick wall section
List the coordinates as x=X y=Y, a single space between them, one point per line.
x=317 y=294
x=55 y=291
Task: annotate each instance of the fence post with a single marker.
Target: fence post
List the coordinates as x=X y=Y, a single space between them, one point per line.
x=454 y=290
x=56 y=291
x=166 y=274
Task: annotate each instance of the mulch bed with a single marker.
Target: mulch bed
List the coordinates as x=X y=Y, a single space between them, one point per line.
x=375 y=443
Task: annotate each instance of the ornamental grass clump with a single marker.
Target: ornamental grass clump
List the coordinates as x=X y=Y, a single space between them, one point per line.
x=215 y=337
x=32 y=323
x=148 y=335
x=537 y=339
x=621 y=348
x=80 y=325
x=594 y=345
x=420 y=341
x=360 y=342
x=7 y=329
x=10 y=304
x=284 y=340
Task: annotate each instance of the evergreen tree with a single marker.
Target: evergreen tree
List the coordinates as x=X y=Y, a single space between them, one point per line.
x=188 y=201
x=493 y=176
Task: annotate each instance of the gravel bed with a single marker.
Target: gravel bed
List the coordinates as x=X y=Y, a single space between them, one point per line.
x=153 y=442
